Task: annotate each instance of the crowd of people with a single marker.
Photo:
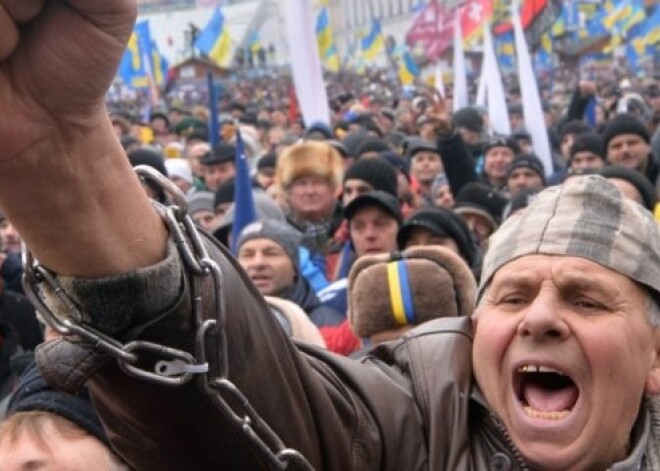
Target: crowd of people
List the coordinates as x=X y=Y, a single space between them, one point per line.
x=416 y=292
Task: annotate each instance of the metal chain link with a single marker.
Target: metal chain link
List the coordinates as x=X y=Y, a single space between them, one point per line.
x=175 y=367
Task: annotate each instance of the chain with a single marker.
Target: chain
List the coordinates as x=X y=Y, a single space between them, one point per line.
x=173 y=367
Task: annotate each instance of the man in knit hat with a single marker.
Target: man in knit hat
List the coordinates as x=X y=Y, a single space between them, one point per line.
x=498 y=155
x=268 y=252
x=526 y=171
x=627 y=143
x=556 y=369
x=368 y=175
x=587 y=152
x=425 y=163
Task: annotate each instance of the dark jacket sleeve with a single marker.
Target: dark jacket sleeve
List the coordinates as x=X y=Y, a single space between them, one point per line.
x=336 y=412
x=457 y=161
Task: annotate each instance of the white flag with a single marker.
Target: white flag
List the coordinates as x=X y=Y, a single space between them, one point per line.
x=532 y=109
x=439 y=83
x=460 y=77
x=498 y=112
x=306 y=63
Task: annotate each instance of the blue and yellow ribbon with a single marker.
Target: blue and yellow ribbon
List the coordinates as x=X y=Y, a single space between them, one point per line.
x=400 y=295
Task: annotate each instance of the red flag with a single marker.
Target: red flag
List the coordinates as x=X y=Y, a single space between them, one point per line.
x=473 y=17
x=432 y=29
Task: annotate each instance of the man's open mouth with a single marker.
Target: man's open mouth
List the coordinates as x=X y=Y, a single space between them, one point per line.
x=545 y=393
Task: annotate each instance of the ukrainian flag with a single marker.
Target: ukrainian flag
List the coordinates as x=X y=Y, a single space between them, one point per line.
x=254 y=43
x=408 y=69
x=326 y=41
x=214 y=40
x=142 y=64
x=373 y=43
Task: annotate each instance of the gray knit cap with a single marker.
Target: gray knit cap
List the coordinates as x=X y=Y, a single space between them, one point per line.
x=279 y=232
x=586 y=217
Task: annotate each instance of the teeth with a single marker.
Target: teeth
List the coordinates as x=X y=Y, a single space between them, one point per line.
x=551 y=415
x=538 y=369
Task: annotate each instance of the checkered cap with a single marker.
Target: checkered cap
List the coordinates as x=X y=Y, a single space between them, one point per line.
x=586 y=217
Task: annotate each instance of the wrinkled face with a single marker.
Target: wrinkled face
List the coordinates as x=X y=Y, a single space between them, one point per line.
x=421 y=236
x=425 y=166
x=523 y=178
x=563 y=350
x=268 y=266
x=628 y=150
x=311 y=198
x=216 y=174
x=586 y=160
x=373 y=230
x=497 y=161
x=354 y=188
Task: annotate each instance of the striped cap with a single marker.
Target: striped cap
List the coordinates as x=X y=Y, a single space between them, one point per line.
x=586 y=217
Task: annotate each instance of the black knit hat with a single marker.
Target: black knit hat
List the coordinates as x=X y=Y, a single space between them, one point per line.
x=149 y=157
x=225 y=192
x=529 y=161
x=468 y=118
x=588 y=142
x=636 y=179
x=219 y=154
x=386 y=201
x=34 y=394
x=267 y=161
x=442 y=222
x=378 y=173
x=396 y=161
x=371 y=144
x=352 y=141
x=625 y=124
x=573 y=127
x=481 y=199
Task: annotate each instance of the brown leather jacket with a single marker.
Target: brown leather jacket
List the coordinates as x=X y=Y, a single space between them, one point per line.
x=411 y=405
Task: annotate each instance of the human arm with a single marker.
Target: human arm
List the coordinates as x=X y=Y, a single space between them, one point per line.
x=64 y=179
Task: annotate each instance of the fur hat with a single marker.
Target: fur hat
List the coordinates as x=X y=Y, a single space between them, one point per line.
x=422 y=283
x=309 y=158
x=586 y=217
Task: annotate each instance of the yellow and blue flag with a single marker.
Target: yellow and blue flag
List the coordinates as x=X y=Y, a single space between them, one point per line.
x=374 y=42
x=326 y=41
x=142 y=65
x=254 y=42
x=505 y=50
x=215 y=40
x=408 y=69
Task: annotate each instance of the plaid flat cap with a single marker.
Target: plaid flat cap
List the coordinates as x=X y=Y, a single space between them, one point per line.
x=586 y=217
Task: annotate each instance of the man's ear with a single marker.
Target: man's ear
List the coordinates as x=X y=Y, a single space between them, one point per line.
x=652 y=387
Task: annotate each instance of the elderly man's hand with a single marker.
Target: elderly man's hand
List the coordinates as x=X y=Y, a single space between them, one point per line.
x=57 y=59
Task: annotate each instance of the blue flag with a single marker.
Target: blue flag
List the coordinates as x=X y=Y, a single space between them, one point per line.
x=244 y=212
x=214 y=124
